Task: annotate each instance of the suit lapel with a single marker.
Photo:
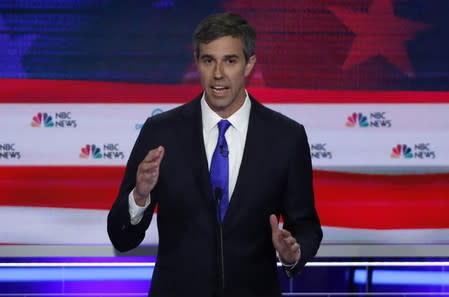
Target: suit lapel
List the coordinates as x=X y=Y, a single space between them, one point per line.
x=196 y=153
x=254 y=140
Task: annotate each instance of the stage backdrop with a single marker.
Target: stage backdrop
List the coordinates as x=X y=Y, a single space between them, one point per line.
x=369 y=79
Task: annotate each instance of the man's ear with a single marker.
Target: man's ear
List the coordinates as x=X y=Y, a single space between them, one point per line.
x=250 y=65
x=195 y=57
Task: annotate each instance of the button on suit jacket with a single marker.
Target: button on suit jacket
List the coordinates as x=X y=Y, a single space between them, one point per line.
x=275 y=177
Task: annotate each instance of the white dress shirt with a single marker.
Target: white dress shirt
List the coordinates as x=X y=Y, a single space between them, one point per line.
x=235 y=137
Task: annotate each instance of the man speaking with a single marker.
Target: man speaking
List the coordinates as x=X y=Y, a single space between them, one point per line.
x=221 y=169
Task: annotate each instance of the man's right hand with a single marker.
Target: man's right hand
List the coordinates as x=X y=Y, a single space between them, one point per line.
x=147 y=175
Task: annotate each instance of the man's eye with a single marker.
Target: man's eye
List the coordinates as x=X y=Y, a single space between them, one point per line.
x=232 y=61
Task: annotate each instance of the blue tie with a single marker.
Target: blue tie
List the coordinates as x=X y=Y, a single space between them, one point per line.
x=219 y=169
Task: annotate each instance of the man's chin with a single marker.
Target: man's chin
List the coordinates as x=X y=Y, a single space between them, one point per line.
x=221 y=109
x=218 y=102
x=217 y=97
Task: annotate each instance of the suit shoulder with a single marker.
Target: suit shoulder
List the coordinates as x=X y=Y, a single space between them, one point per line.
x=170 y=117
x=276 y=119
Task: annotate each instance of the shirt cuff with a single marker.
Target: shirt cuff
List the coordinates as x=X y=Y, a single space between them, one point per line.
x=136 y=211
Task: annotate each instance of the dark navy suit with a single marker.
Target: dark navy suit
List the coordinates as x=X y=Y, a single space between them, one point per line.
x=275 y=177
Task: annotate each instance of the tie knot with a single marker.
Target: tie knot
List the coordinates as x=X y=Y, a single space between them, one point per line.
x=223 y=125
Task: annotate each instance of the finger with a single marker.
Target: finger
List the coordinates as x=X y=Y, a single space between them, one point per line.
x=291 y=251
x=161 y=153
x=285 y=233
x=148 y=174
x=290 y=241
x=295 y=247
x=274 y=224
x=151 y=155
x=151 y=165
x=295 y=254
x=148 y=167
x=154 y=155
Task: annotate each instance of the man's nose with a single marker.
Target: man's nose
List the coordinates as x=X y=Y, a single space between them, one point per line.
x=218 y=71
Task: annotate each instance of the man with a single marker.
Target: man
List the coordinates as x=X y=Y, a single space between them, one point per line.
x=221 y=170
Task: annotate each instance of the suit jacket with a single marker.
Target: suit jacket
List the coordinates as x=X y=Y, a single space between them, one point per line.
x=275 y=177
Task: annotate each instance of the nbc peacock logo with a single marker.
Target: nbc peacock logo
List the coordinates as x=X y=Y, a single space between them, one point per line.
x=42 y=118
x=60 y=119
x=401 y=150
x=375 y=119
x=357 y=118
x=107 y=151
x=91 y=150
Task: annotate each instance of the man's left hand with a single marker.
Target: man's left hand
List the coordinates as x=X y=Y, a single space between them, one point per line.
x=284 y=243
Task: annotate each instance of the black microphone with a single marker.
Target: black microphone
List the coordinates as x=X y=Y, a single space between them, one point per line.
x=218 y=194
x=224 y=151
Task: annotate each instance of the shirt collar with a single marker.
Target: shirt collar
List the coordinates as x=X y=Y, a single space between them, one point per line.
x=239 y=119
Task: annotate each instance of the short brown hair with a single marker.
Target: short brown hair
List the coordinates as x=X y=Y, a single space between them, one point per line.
x=225 y=24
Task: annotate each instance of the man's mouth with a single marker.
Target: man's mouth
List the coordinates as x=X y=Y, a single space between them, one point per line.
x=219 y=90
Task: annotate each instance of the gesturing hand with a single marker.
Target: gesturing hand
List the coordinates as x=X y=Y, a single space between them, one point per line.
x=148 y=175
x=284 y=243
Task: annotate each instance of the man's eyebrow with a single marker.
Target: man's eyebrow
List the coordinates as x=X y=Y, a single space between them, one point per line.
x=206 y=57
x=226 y=57
x=231 y=57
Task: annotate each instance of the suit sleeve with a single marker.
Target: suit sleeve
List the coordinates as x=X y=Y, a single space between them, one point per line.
x=123 y=235
x=298 y=206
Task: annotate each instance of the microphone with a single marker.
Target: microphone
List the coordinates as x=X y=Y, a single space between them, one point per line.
x=218 y=194
x=224 y=151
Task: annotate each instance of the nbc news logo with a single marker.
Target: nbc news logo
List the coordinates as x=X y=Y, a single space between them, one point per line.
x=59 y=120
x=109 y=151
x=319 y=151
x=373 y=120
x=418 y=151
x=8 y=151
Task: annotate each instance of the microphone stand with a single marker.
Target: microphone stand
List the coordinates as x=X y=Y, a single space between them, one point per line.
x=218 y=197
